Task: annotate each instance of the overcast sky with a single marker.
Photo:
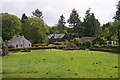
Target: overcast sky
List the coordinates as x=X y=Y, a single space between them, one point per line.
x=104 y=10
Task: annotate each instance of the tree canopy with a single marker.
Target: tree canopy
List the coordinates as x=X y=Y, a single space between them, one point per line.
x=75 y=22
x=34 y=29
x=11 y=26
x=117 y=15
x=91 y=24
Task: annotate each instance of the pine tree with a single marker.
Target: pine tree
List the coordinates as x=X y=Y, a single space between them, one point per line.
x=75 y=22
x=117 y=21
x=91 y=24
x=23 y=18
x=37 y=13
x=61 y=24
x=117 y=15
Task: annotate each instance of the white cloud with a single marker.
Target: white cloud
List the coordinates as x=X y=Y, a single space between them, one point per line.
x=104 y=10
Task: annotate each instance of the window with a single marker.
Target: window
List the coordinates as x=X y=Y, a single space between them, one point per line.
x=29 y=45
x=21 y=45
x=110 y=42
x=16 y=45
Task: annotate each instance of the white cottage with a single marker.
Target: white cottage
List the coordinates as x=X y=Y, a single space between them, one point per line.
x=19 y=42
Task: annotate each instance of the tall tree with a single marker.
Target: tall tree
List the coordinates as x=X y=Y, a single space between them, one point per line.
x=117 y=15
x=75 y=22
x=11 y=25
x=91 y=24
x=61 y=24
x=115 y=30
x=34 y=29
x=23 y=17
x=37 y=13
x=117 y=22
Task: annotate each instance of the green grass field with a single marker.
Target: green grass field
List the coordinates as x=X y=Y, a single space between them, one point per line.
x=60 y=64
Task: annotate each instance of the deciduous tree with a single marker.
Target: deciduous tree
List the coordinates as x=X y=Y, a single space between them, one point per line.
x=11 y=26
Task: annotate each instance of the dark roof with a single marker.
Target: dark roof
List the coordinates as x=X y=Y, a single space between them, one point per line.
x=87 y=38
x=56 y=36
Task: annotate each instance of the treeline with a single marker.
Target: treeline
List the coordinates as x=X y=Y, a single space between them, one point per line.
x=35 y=29
x=89 y=27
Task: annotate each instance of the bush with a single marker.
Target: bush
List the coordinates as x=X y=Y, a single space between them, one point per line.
x=80 y=44
x=87 y=43
x=71 y=46
x=76 y=41
x=58 y=43
x=97 y=45
x=66 y=42
x=4 y=49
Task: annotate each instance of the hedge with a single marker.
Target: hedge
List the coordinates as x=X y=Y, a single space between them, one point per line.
x=105 y=50
x=33 y=48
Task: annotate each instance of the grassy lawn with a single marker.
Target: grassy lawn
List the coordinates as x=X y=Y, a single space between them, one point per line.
x=60 y=64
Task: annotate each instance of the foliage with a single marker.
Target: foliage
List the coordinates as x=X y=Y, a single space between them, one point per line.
x=80 y=44
x=4 y=49
x=115 y=30
x=97 y=46
x=117 y=15
x=58 y=43
x=75 y=22
x=11 y=26
x=87 y=43
x=34 y=29
x=61 y=25
x=105 y=32
x=71 y=46
x=76 y=41
x=37 y=13
x=53 y=29
x=99 y=40
x=66 y=42
x=23 y=17
x=91 y=25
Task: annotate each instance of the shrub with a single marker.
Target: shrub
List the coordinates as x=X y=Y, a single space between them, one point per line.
x=87 y=43
x=97 y=45
x=58 y=43
x=71 y=46
x=80 y=44
x=50 y=45
x=4 y=49
x=76 y=41
x=66 y=42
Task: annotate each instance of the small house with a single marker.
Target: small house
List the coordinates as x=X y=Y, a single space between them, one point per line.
x=57 y=38
x=19 y=42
